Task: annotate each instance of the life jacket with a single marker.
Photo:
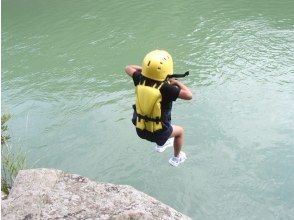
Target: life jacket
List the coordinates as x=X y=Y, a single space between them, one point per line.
x=148 y=106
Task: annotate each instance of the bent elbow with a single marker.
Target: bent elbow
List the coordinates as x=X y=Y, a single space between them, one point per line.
x=190 y=96
x=185 y=94
x=126 y=68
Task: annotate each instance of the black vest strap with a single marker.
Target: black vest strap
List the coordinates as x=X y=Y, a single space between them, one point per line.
x=146 y=118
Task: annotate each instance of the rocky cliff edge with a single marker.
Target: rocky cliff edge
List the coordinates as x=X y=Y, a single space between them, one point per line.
x=54 y=194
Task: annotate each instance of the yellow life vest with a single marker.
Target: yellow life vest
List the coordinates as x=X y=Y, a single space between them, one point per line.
x=148 y=106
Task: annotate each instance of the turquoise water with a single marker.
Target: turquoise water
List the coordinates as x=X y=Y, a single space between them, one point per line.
x=63 y=81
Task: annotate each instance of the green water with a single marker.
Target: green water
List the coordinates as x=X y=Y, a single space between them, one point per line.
x=70 y=100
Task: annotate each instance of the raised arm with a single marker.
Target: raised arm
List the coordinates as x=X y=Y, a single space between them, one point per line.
x=185 y=93
x=130 y=69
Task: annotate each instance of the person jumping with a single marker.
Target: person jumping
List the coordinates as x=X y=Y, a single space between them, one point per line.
x=155 y=92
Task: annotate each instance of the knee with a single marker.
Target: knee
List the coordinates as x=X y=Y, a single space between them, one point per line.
x=180 y=131
x=177 y=131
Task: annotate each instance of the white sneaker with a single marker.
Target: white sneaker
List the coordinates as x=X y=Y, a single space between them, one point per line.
x=168 y=143
x=175 y=161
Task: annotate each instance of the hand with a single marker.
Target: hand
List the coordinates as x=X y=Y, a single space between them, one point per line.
x=138 y=68
x=173 y=81
x=131 y=69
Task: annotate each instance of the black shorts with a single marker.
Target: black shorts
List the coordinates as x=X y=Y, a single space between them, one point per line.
x=158 y=137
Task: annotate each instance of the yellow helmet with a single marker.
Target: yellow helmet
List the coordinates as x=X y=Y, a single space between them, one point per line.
x=157 y=65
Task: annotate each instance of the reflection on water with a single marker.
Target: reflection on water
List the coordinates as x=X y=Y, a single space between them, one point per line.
x=63 y=82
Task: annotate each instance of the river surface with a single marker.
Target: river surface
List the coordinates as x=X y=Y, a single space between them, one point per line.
x=64 y=84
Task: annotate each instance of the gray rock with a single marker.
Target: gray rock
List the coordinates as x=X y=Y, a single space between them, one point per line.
x=53 y=194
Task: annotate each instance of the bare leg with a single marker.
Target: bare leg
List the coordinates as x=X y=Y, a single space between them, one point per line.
x=178 y=134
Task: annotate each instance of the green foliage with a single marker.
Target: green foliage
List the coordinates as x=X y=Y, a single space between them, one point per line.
x=4 y=186
x=4 y=137
x=12 y=160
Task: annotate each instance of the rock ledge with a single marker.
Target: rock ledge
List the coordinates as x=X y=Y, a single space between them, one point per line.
x=54 y=194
